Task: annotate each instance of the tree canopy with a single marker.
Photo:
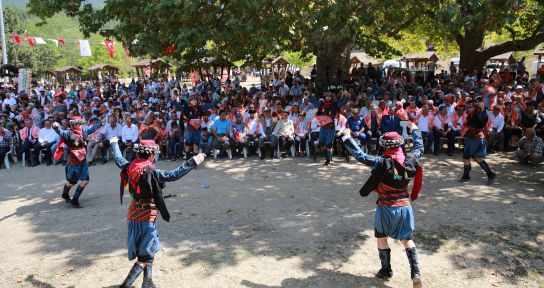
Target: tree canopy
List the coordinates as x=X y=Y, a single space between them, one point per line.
x=466 y=23
x=249 y=30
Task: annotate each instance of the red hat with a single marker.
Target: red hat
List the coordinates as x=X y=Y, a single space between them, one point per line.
x=391 y=140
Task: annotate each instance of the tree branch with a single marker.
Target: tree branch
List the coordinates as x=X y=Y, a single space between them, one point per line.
x=403 y=25
x=514 y=45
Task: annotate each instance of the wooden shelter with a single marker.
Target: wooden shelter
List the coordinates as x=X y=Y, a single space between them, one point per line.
x=503 y=58
x=9 y=70
x=67 y=73
x=357 y=58
x=216 y=63
x=277 y=65
x=419 y=60
x=152 y=67
x=98 y=71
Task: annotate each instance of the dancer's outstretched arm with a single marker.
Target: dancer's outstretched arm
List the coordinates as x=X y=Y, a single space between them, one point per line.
x=356 y=151
x=120 y=161
x=92 y=129
x=169 y=176
x=418 y=148
x=62 y=133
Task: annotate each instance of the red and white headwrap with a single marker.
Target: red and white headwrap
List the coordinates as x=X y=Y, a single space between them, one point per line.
x=147 y=146
x=391 y=140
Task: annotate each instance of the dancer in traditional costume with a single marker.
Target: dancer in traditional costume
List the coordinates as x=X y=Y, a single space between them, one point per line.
x=327 y=109
x=475 y=140
x=145 y=184
x=77 y=168
x=390 y=177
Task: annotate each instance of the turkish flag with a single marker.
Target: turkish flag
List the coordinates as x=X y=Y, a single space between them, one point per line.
x=169 y=50
x=31 y=41
x=17 y=38
x=109 y=45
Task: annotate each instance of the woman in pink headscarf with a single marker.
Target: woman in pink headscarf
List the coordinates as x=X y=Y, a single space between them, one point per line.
x=400 y=112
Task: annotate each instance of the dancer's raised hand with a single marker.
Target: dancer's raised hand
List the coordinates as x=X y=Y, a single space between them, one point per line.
x=199 y=158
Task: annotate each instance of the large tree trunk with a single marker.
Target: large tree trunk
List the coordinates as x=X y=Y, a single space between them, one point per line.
x=332 y=63
x=470 y=58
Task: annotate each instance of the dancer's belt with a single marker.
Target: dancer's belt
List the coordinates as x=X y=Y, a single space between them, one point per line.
x=394 y=198
x=144 y=206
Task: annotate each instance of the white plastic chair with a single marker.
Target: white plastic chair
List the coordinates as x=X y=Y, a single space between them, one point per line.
x=404 y=125
x=6 y=158
x=229 y=152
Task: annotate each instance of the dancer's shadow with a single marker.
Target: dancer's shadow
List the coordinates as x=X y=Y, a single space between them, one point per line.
x=37 y=283
x=323 y=279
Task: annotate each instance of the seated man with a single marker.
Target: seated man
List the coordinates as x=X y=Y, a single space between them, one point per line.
x=314 y=137
x=5 y=144
x=357 y=125
x=443 y=127
x=129 y=136
x=268 y=124
x=110 y=131
x=530 y=148
x=220 y=132
x=206 y=136
x=390 y=122
x=302 y=127
x=46 y=139
x=238 y=136
x=175 y=142
x=511 y=125
x=285 y=131
x=496 y=136
x=93 y=140
x=425 y=123
x=253 y=129
x=29 y=136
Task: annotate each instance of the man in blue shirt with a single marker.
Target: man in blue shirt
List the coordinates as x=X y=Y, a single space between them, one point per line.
x=220 y=130
x=357 y=126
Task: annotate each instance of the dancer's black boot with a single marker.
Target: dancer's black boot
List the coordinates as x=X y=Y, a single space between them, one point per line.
x=385 y=257
x=413 y=258
x=66 y=193
x=148 y=276
x=132 y=275
x=75 y=200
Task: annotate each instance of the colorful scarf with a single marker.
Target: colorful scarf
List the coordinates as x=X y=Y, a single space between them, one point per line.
x=60 y=149
x=396 y=154
x=136 y=169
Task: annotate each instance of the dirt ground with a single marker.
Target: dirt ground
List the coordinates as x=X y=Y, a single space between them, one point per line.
x=277 y=223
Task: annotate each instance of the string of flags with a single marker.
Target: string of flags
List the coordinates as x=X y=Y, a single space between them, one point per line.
x=84 y=45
